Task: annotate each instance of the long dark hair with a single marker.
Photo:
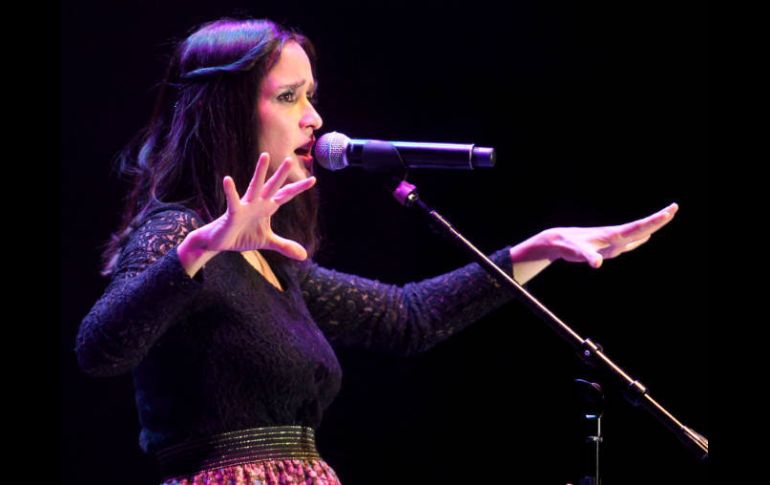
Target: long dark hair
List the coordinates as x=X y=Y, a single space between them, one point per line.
x=204 y=126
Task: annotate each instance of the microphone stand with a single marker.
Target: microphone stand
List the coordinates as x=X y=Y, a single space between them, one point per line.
x=592 y=398
x=590 y=352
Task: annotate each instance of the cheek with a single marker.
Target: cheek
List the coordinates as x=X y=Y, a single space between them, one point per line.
x=266 y=123
x=274 y=132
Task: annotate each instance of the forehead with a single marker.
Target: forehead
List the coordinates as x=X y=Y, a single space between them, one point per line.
x=293 y=66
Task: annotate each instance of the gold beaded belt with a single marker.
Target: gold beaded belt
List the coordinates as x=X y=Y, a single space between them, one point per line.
x=237 y=448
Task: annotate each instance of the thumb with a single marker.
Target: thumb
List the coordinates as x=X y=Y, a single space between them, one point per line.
x=594 y=259
x=287 y=247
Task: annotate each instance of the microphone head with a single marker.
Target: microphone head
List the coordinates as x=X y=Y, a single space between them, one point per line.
x=331 y=149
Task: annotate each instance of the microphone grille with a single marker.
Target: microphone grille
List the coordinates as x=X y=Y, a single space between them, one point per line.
x=330 y=151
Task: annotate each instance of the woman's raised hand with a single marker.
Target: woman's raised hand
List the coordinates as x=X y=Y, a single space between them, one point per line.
x=245 y=225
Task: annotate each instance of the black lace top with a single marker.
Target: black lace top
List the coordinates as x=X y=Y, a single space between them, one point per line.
x=227 y=350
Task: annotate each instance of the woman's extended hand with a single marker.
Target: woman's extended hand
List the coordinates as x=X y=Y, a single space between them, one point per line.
x=591 y=244
x=245 y=225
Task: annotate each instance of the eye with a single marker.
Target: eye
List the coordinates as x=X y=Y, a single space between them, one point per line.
x=287 y=97
x=312 y=97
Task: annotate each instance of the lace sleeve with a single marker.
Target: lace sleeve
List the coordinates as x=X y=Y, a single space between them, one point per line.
x=357 y=312
x=148 y=292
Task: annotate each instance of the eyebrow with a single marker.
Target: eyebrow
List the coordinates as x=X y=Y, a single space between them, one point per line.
x=297 y=85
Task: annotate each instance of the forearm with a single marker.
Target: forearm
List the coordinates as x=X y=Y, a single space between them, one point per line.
x=401 y=320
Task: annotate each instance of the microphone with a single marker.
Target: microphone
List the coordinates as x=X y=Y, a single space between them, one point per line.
x=335 y=151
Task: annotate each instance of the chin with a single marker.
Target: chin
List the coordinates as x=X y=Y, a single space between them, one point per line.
x=297 y=175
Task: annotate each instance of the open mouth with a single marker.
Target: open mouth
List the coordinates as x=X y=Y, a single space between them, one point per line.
x=305 y=155
x=306 y=150
x=303 y=152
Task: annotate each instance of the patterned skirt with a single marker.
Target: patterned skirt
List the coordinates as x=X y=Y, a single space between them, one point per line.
x=275 y=455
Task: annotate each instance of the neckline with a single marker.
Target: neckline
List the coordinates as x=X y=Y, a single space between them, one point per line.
x=275 y=268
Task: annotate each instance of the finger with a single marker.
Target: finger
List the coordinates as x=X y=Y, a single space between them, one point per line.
x=672 y=208
x=578 y=253
x=594 y=259
x=231 y=194
x=649 y=224
x=276 y=181
x=287 y=247
x=618 y=249
x=258 y=179
x=289 y=191
x=635 y=244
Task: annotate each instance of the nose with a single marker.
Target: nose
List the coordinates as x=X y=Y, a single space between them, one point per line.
x=311 y=117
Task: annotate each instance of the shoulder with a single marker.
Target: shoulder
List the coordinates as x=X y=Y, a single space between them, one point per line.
x=168 y=221
x=160 y=230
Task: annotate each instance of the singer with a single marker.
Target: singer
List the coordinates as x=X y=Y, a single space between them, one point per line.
x=214 y=302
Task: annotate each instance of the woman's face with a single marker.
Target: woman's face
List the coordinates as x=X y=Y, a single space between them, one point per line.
x=287 y=117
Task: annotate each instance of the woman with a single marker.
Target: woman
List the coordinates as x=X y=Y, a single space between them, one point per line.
x=214 y=303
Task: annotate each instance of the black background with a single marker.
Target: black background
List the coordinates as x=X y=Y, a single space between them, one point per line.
x=598 y=113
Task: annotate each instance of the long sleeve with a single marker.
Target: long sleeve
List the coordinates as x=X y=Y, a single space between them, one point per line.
x=357 y=312
x=148 y=292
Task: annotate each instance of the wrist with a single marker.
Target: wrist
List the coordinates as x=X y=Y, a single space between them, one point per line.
x=536 y=248
x=192 y=252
